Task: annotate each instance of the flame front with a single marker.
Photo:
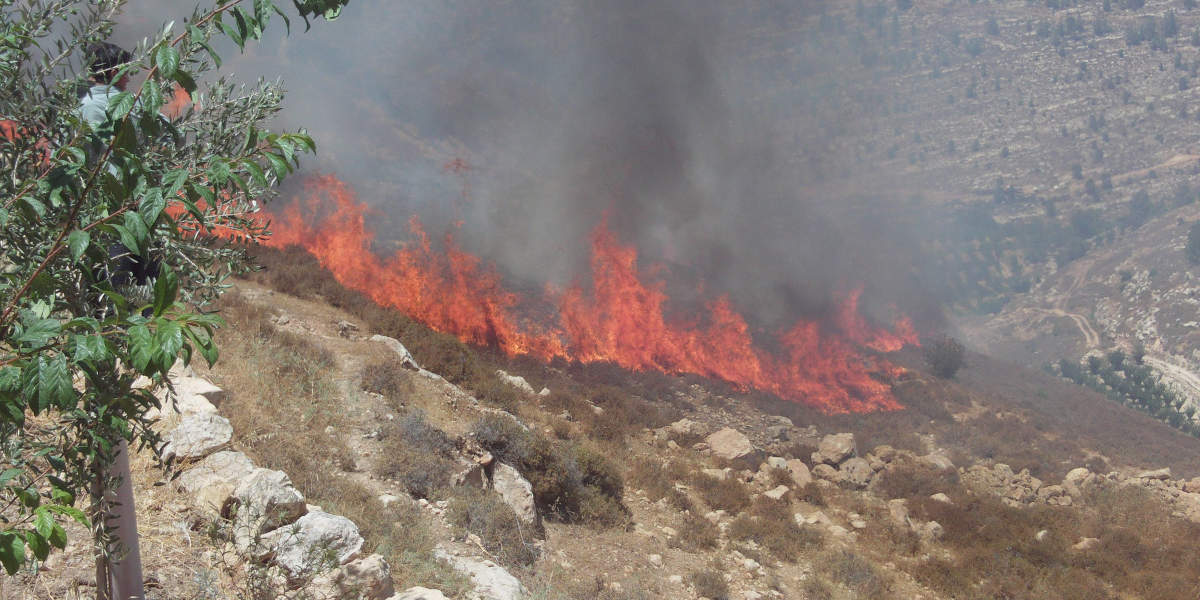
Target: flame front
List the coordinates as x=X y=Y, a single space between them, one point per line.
x=622 y=318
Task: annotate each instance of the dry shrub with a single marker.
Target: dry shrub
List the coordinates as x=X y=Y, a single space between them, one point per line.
x=571 y=482
x=658 y=481
x=907 y=478
x=485 y=514
x=860 y=576
x=492 y=391
x=770 y=524
x=729 y=494
x=810 y=493
x=416 y=454
x=695 y=534
x=710 y=582
x=389 y=379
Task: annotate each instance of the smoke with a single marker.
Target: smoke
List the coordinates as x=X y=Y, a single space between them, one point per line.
x=692 y=125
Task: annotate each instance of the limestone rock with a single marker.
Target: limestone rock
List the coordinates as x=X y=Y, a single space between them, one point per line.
x=827 y=472
x=419 y=593
x=516 y=381
x=941 y=497
x=834 y=449
x=1086 y=544
x=211 y=482
x=776 y=493
x=1162 y=474
x=857 y=471
x=932 y=531
x=800 y=473
x=718 y=474
x=406 y=357
x=938 y=460
x=197 y=436
x=517 y=493
x=316 y=542
x=730 y=444
x=491 y=581
x=367 y=578
x=264 y=500
x=776 y=462
x=1076 y=479
x=898 y=513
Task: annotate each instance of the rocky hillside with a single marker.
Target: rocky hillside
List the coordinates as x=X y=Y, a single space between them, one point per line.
x=330 y=461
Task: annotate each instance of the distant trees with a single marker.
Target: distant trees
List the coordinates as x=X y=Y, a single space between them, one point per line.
x=945 y=356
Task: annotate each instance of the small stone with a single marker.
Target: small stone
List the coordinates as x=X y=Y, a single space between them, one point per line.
x=676 y=579
x=940 y=497
x=777 y=493
x=858 y=524
x=1042 y=535
x=1086 y=544
x=655 y=560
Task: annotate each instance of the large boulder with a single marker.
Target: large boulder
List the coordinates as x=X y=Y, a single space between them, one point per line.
x=801 y=476
x=730 y=444
x=517 y=493
x=315 y=543
x=406 y=357
x=210 y=483
x=367 y=578
x=263 y=501
x=688 y=429
x=197 y=436
x=491 y=581
x=857 y=471
x=515 y=381
x=834 y=449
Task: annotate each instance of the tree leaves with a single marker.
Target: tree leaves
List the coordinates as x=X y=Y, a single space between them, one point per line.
x=78 y=243
x=166 y=58
x=12 y=551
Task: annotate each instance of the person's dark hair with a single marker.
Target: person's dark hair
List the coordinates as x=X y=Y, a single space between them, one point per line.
x=105 y=59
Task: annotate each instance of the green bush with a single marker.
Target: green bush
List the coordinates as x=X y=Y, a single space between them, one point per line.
x=945 y=356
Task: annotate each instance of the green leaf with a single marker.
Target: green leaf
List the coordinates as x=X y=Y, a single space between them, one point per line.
x=69 y=511
x=37 y=544
x=89 y=348
x=152 y=96
x=167 y=60
x=120 y=104
x=256 y=172
x=43 y=522
x=233 y=35
x=151 y=206
x=141 y=347
x=184 y=79
x=8 y=475
x=58 y=535
x=197 y=37
x=174 y=181
x=12 y=551
x=166 y=288
x=137 y=231
x=78 y=242
x=168 y=340
x=54 y=383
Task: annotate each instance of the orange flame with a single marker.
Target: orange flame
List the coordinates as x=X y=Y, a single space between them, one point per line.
x=622 y=320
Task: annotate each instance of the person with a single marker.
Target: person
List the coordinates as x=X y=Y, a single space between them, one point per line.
x=130 y=272
x=121 y=577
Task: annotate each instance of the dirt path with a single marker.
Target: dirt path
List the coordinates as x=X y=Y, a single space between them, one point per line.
x=1172 y=371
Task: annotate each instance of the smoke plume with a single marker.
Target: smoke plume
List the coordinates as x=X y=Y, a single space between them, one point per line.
x=688 y=123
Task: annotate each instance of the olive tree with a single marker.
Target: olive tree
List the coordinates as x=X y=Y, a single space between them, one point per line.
x=82 y=355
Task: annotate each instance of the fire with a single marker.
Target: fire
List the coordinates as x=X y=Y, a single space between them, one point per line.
x=620 y=319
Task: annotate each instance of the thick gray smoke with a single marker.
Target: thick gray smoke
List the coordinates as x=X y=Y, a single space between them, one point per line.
x=687 y=122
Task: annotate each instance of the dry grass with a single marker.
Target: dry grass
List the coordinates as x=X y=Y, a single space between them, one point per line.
x=485 y=514
x=710 y=582
x=769 y=524
x=729 y=494
x=281 y=399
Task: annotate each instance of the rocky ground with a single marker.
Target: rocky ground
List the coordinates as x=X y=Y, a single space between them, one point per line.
x=725 y=501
